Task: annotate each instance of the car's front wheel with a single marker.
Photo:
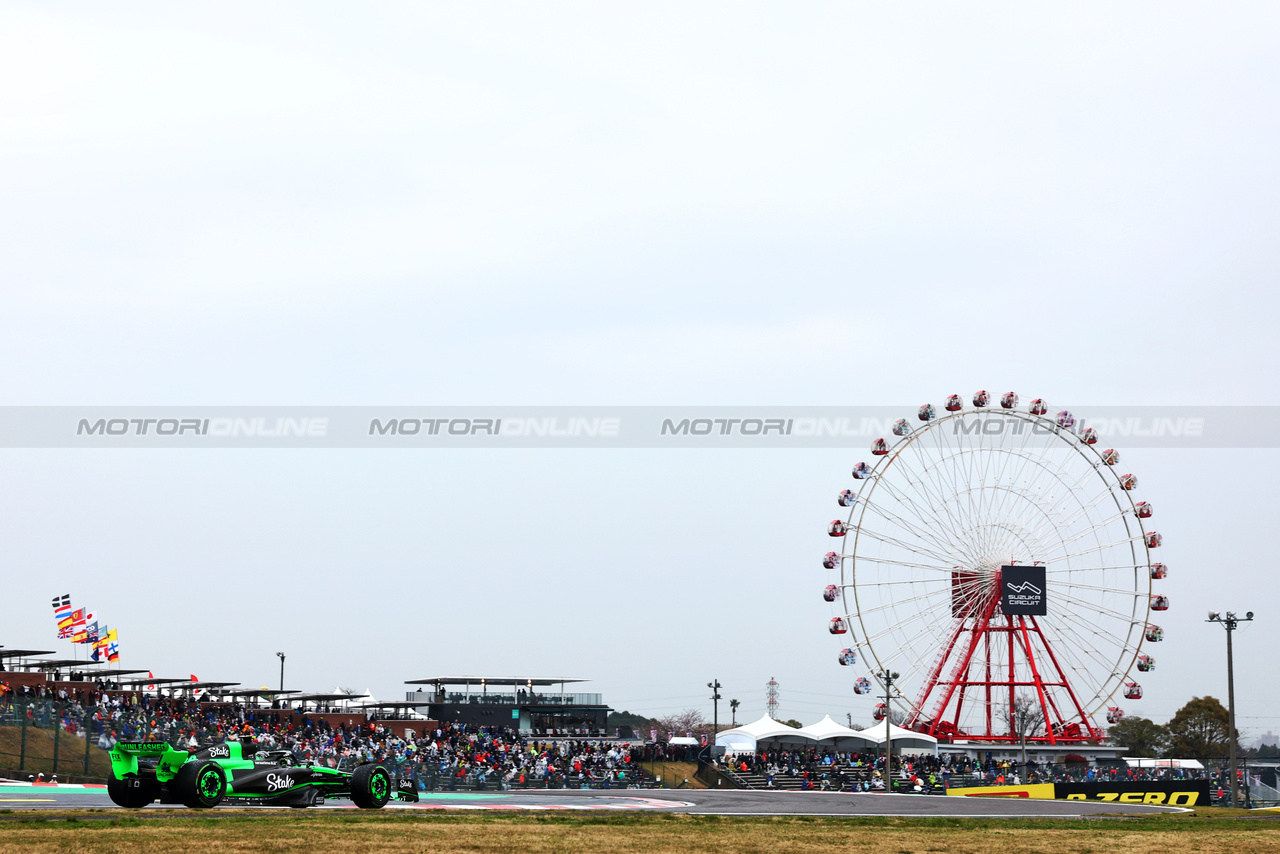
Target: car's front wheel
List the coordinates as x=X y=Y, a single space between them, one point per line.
x=370 y=787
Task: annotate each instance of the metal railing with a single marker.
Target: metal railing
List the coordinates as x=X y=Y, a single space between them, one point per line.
x=430 y=779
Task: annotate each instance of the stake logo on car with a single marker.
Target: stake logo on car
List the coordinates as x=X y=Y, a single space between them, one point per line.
x=276 y=782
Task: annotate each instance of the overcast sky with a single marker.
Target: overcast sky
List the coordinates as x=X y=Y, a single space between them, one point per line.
x=430 y=203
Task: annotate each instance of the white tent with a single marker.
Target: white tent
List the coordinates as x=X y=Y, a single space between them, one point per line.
x=767 y=732
x=828 y=733
x=903 y=739
x=744 y=739
x=735 y=741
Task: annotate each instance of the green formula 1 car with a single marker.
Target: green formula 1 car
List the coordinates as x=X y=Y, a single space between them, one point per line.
x=236 y=772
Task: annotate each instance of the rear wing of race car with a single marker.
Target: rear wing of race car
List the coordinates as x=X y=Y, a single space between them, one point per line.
x=125 y=755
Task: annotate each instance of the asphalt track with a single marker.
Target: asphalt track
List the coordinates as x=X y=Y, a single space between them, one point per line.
x=24 y=796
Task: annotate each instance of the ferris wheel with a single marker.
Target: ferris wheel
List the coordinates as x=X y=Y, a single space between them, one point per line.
x=998 y=560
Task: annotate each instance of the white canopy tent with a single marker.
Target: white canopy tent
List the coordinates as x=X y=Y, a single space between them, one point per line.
x=766 y=731
x=903 y=739
x=828 y=733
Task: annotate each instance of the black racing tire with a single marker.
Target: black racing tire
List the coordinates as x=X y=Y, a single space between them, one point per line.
x=370 y=787
x=132 y=793
x=200 y=785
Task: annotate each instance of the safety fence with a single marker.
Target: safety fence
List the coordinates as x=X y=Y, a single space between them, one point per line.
x=430 y=778
x=49 y=736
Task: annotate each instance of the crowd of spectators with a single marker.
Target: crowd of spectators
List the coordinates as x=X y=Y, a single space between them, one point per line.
x=467 y=757
x=446 y=757
x=818 y=768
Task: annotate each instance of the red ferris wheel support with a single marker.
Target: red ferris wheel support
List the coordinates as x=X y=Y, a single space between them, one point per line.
x=1008 y=652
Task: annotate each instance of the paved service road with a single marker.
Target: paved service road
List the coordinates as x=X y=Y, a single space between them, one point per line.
x=18 y=796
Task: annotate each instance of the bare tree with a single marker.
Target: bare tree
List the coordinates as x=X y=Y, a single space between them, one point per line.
x=690 y=720
x=1026 y=720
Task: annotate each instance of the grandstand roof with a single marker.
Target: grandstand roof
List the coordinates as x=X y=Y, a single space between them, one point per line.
x=23 y=653
x=152 y=681
x=494 y=680
x=262 y=692
x=307 y=697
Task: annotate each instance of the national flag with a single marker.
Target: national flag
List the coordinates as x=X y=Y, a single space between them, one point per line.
x=65 y=621
x=88 y=634
x=151 y=675
x=61 y=605
x=100 y=645
x=113 y=651
x=193 y=678
x=93 y=656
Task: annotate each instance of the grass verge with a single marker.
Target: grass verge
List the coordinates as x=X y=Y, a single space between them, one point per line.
x=394 y=832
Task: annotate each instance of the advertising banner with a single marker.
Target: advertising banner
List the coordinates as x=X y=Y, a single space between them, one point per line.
x=1168 y=793
x=1165 y=793
x=1034 y=790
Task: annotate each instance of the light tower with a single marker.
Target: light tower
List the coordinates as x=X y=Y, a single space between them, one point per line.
x=771 y=698
x=1229 y=621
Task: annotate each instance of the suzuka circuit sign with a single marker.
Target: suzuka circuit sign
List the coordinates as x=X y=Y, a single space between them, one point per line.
x=1022 y=591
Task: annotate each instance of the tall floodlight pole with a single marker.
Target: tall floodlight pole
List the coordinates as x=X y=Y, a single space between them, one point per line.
x=281 y=654
x=714 y=685
x=887 y=677
x=1229 y=621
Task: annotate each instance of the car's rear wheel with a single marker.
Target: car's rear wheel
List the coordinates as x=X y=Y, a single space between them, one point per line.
x=201 y=785
x=370 y=787
x=132 y=793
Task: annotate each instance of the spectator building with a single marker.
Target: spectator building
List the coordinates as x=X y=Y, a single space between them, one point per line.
x=533 y=706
